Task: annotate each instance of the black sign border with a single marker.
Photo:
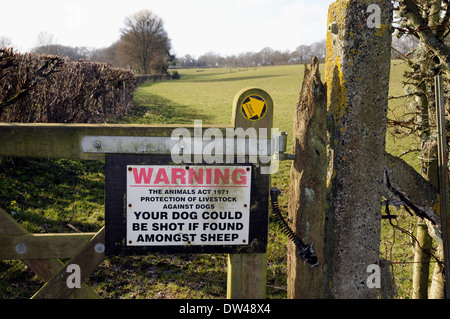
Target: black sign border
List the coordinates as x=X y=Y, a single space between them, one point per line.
x=116 y=210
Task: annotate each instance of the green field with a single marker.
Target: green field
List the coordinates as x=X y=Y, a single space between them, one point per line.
x=208 y=94
x=58 y=196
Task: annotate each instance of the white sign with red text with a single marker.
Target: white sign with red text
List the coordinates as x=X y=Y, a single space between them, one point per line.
x=188 y=205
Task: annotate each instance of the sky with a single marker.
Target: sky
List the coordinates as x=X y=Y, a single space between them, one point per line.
x=195 y=27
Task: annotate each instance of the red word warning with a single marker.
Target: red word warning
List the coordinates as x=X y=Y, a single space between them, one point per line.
x=188 y=205
x=187 y=176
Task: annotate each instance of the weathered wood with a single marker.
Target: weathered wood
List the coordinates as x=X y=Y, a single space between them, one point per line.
x=41 y=246
x=307 y=196
x=247 y=273
x=437 y=287
x=44 y=268
x=416 y=191
x=87 y=259
x=421 y=267
x=247 y=276
x=64 y=140
x=357 y=76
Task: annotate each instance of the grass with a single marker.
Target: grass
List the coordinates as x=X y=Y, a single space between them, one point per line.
x=63 y=195
x=396 y=145
x=209 y=95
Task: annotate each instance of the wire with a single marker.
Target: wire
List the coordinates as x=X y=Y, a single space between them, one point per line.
x=410 y=234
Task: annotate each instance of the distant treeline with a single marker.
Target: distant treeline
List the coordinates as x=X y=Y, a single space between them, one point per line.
x=49 y=89
x=268 y=56
x=265 y=57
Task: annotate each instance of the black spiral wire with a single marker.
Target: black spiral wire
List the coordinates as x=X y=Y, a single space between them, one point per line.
x=305 y=251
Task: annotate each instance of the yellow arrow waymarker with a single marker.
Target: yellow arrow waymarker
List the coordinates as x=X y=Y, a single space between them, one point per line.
x=254 y=107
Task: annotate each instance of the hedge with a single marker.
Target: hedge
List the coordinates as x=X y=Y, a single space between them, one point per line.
x=49 y=89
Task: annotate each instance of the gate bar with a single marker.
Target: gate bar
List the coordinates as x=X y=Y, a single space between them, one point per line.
x=63 y=141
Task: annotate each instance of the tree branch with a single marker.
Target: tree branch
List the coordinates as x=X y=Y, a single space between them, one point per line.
x=410 y=10
x=407 y=185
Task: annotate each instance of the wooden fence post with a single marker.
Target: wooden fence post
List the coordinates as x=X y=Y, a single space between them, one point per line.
x=307 y=195
x=247 y=276
x=247 y=273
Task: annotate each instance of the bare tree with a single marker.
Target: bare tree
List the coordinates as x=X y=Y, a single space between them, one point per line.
x=45 y=39
x=144 y=44
x=46 y=44
x=318 y=49
x=302 y=54
x=211 y=59
x=431 y=29
x=73 y=53
x=265 y=56
x=428 y=22
x=5 y=41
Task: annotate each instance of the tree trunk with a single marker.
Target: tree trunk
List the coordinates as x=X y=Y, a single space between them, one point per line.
x=307 y=196
x=437 y=290
x=421 y=269
x=415 y=191
x=431 y=168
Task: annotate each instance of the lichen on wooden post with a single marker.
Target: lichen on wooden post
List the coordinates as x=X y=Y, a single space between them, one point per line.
x=357 y=76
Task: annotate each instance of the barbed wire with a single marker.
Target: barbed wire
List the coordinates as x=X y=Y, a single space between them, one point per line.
x=411 y=235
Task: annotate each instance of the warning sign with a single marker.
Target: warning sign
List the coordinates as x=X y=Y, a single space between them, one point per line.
x=254 y=107
x=187 y=205
x=154 y=205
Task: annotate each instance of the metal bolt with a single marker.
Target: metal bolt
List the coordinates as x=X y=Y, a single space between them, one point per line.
x=99 y=248
x=282 y=142
x=97 y=144
x=21 y=248
x=333 y=28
